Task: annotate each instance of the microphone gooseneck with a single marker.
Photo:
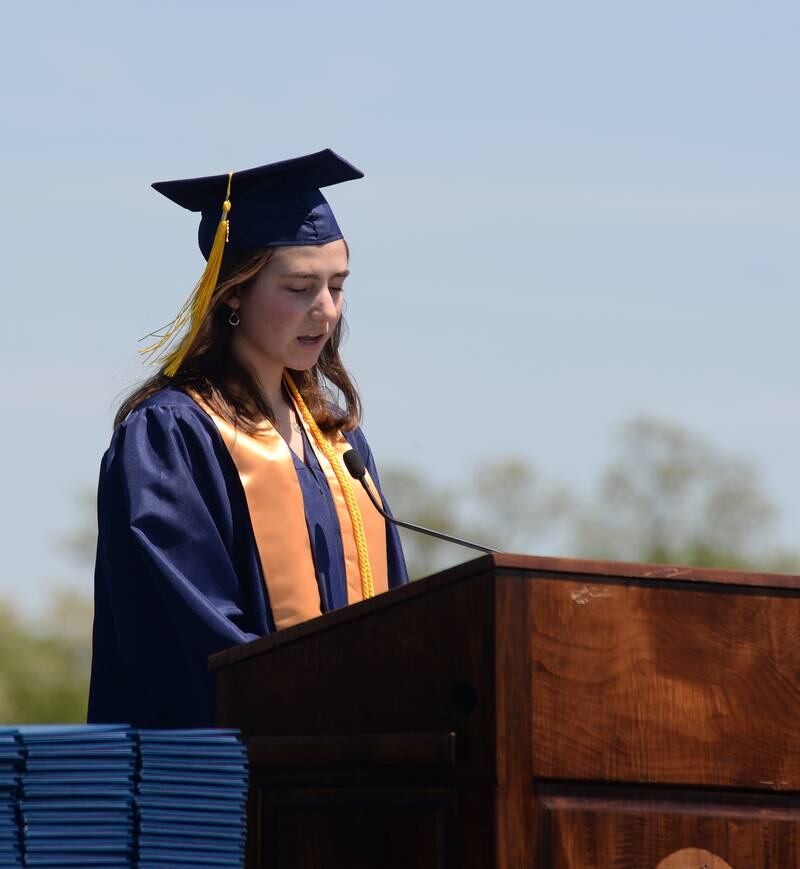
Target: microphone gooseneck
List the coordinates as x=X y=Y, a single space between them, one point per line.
x=355 y=465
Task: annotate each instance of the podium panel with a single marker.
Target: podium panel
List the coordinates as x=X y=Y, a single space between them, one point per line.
x=683 y=831
x=359 y=827
x=648 y=682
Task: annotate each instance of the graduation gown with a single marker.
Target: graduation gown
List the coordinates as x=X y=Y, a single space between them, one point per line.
x=178 y=576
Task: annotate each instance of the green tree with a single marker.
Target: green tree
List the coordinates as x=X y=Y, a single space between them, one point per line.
x=671 y=496
x=45 y=661
x=668 y=495
x=44 y=665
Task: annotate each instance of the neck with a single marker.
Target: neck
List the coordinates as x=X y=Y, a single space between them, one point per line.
x=271 y=385
x=268 y=376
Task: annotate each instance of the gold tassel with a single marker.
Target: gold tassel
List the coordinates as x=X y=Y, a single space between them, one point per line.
x=197 y=305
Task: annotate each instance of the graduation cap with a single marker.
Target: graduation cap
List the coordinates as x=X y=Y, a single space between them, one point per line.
x=276 y=205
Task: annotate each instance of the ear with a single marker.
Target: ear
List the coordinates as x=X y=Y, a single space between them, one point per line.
x=234 y=299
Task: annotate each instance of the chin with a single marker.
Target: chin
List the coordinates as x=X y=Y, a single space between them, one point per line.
x=302 y=364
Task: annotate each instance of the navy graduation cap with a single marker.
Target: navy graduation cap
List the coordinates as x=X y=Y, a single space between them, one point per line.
x=272 y=205
x=276 y=205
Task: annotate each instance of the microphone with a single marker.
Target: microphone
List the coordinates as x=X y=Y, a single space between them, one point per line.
x=355 y=465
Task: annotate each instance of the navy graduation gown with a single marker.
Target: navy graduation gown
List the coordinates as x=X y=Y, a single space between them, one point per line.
x=178 y=576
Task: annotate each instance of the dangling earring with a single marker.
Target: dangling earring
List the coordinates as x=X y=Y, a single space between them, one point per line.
x=233 y=318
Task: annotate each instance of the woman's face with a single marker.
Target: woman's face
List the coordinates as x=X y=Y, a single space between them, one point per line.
x=290 y=310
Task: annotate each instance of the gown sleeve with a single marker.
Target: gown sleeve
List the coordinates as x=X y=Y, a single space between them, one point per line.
x=167 y=591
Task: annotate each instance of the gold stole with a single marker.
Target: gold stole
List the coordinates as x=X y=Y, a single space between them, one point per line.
x=277 y=513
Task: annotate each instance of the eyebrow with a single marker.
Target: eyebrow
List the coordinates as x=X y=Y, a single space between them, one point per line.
x=306 y=275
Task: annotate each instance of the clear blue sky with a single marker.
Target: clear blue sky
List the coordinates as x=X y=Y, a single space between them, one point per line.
x=572 y=212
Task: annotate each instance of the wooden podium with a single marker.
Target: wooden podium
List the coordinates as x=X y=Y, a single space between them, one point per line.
x=529 y=712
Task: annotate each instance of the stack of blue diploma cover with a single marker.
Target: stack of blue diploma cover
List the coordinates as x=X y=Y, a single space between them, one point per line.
x=76 y=798
x=10 y=775
x=191 y=797
x=106 y=796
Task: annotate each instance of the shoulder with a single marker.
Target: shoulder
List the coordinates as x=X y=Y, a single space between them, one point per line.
x=169 y=407
x=170 y=398
x=167 y=451
x=168 y=422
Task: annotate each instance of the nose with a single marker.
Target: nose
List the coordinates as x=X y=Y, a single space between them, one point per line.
x=325 y=307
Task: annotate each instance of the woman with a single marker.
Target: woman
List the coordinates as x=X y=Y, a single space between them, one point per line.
x=224 y=510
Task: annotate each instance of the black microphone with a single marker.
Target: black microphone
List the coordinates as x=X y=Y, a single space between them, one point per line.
x=355 y=465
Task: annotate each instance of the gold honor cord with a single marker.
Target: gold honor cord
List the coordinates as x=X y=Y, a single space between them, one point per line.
x=196 y=307
x=364 y=568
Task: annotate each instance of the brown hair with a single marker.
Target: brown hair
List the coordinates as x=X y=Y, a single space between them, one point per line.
x=229 y=388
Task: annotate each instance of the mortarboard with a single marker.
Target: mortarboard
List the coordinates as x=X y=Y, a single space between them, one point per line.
x=276 y=204
x=279 y=204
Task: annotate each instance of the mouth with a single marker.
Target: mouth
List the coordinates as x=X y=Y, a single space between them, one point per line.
x=314 y=340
